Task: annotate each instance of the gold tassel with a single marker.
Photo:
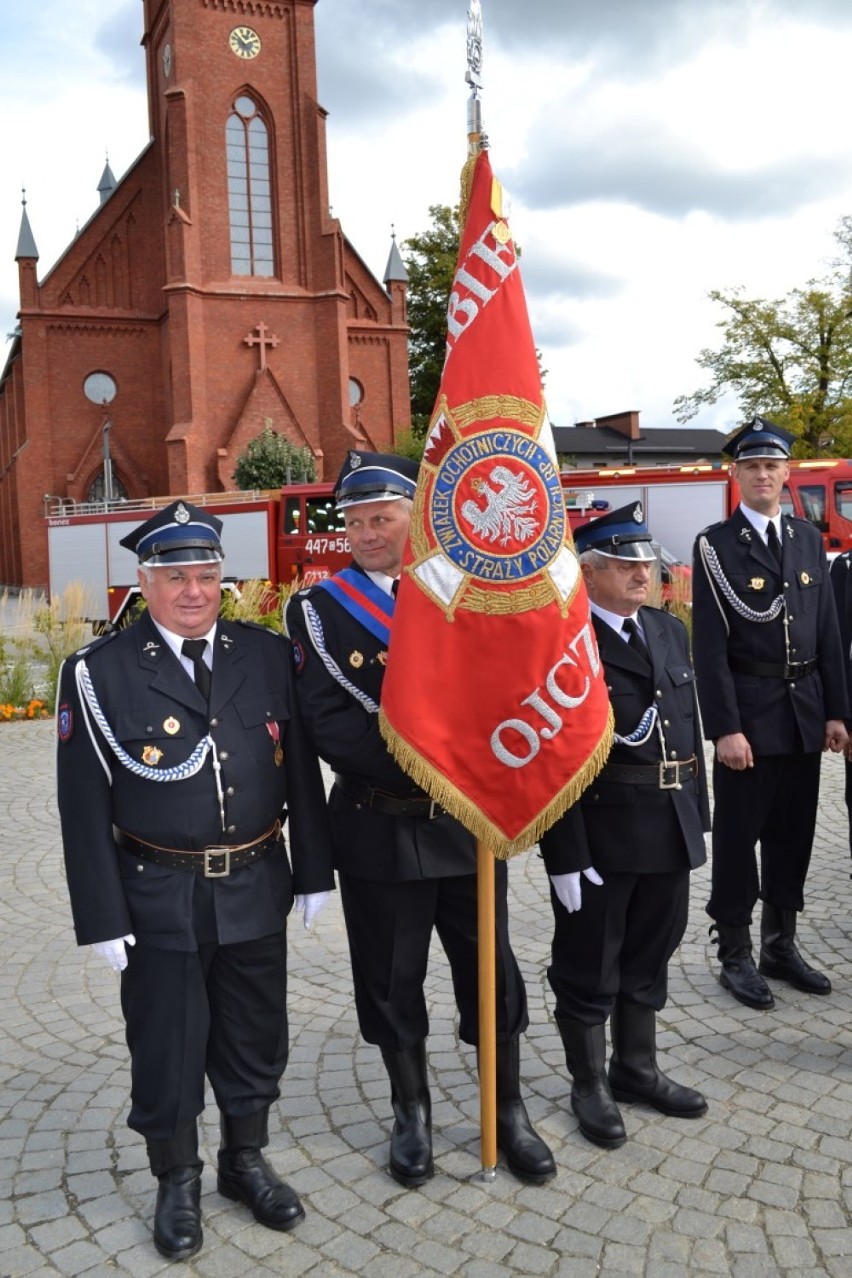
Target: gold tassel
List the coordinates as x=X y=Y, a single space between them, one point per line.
x=443 y=792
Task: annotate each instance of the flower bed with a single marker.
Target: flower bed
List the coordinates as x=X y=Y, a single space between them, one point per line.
x=34 y=709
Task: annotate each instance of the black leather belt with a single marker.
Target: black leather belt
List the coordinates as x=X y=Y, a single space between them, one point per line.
x=774 y=669
x=214 y=862
x=665 y=776
x=368 y=796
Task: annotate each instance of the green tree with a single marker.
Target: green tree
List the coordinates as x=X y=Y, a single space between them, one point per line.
x=789 y=359
x=269 y=460
x=431 y=262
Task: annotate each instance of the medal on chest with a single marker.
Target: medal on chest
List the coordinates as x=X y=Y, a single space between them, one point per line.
x=277 y=752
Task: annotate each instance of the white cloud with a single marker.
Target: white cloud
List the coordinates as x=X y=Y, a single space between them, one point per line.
x=654 y=150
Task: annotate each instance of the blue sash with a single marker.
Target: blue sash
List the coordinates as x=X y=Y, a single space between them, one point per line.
x=371 y=606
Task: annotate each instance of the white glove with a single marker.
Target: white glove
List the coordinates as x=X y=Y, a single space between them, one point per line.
x=567 y=887
x=310 y=906
x=114 y=951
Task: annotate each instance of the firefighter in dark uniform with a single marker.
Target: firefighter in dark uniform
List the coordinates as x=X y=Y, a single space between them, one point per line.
x=173 y=787
x=404 y=866
x=841 y=581
x=772 y=691
x=634 y=836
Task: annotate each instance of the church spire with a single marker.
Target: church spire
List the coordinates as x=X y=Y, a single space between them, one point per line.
x=107 y=184
x=395 y=272
x=26 y=242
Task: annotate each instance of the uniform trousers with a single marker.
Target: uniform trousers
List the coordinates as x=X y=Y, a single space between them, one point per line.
x=774 y=804
x=390 y=927
x=618 y=945
x=219 y=1011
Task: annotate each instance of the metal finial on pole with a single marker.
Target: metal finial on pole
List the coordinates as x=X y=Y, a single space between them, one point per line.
x=473 y=77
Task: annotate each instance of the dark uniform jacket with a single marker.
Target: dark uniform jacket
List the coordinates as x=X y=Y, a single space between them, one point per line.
x=620 y=827
x=777 y=715
x=155 y=710
x=841 y=581
x=345 y=732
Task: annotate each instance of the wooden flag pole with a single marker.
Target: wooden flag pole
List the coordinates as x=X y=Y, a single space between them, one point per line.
x=487 y=1012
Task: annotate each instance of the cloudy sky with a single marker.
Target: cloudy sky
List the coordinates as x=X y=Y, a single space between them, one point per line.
x=653 y=150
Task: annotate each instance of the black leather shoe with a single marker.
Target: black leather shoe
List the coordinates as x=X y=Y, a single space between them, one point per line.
x=526 y=1154
x=780 y=957
x=634 y=1075
x=246 y=1177
x=739 y=974
x=411 y=1162
x=591 y=1099
x=177 y=1218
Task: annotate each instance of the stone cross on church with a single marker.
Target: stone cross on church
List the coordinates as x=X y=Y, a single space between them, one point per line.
x=262 y=341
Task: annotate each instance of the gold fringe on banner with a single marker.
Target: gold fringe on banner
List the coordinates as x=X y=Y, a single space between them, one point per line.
x=442 y=791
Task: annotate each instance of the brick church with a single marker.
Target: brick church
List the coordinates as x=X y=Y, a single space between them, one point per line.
x=210 y=293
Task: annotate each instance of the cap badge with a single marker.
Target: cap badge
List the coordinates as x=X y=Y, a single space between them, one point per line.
x=354 y=460
x=182 y=515
x=637 y=512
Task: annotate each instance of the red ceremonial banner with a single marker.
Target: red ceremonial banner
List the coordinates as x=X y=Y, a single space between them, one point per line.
x=493 y=698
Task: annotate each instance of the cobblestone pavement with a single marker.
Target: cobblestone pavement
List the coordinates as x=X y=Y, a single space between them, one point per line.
x=760 y=1186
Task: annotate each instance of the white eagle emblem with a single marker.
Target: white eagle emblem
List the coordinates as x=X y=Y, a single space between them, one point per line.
x=508 y=512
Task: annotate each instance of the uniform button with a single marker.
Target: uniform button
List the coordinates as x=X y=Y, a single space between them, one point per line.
x=230 y=792
x=214 y=723
x=148 y=728
x=794 y=649
x=786 y=585
x=223 y=754
x=667 y=723
x=790 y=618
x=269 y=714
x=672 y=754
x=658 y=693
x=139 y=869
x=232 y=829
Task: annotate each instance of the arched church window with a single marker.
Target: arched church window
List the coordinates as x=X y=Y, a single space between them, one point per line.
x=97 y=488
x=249 y=190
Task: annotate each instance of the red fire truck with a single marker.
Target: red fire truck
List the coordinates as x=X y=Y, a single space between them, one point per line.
x=681 y=500
x=281 y=536
x=296 y=533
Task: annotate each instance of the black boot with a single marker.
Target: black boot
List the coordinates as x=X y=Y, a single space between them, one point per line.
x=739 y=974
x=591 y=1098
x=246 y=1177
x=411 y=1140
x=633 y=1071
x=527 y=1155
x=177 y=1216
x=779 y=956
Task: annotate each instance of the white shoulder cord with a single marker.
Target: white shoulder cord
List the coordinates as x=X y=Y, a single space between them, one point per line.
x=640 y=734
x=315 y=631
x=715 y=574
x=194 y=764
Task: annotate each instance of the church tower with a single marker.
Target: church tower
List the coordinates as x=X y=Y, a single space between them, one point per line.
x=211 y=293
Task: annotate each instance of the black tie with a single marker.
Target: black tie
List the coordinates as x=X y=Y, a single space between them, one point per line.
x=395 y=588
x=634 y=638
x=772 y=541
x=194 y=649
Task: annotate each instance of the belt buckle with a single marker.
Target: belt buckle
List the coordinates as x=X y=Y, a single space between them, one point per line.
x=435 y=810
x=665 y=769
x=217 y=874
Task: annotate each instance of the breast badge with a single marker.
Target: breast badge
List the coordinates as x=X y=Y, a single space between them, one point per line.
x=757 y=583
x=805 y=578
x=151 y=755
x=356 y=659
x=171 y=725
x=382 y=657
